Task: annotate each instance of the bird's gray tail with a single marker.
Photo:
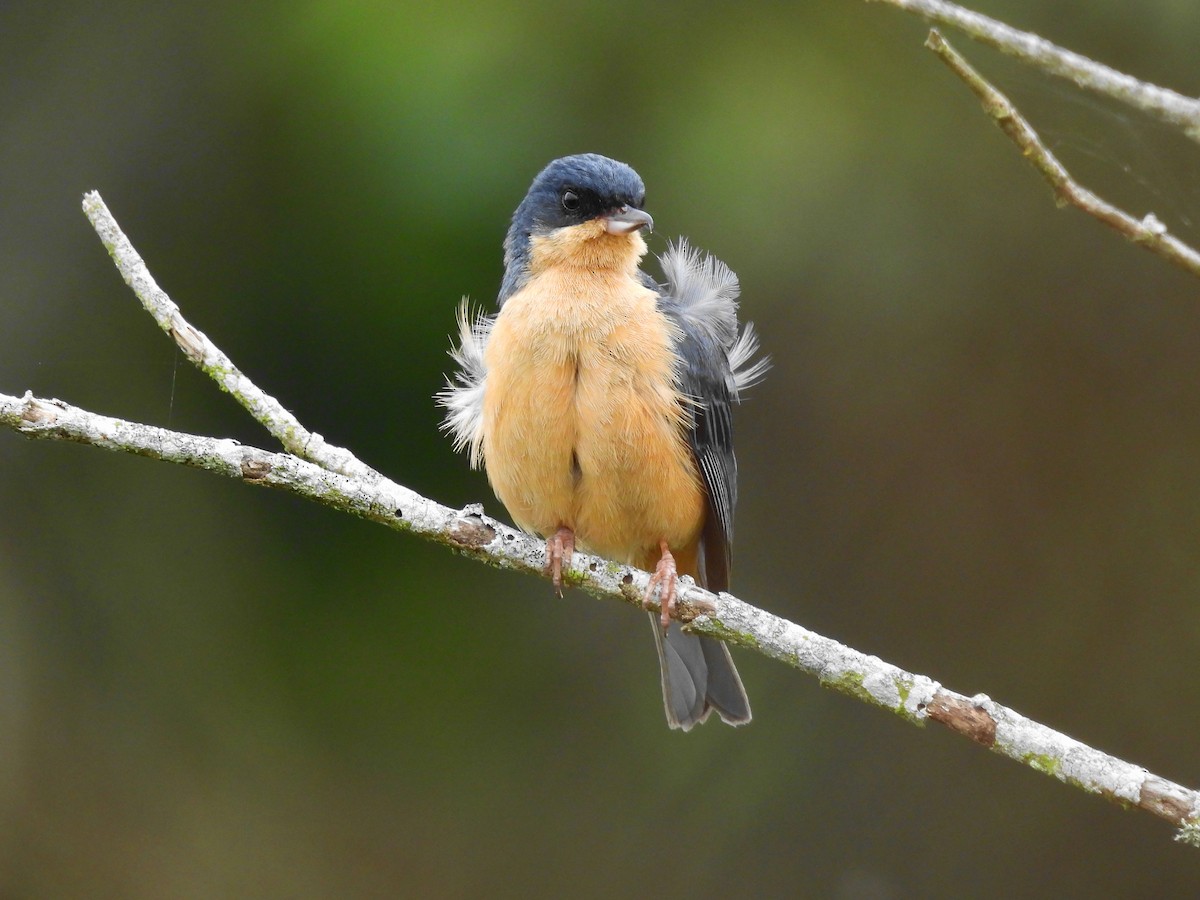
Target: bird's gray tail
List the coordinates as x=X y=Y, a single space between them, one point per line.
x=698 y=676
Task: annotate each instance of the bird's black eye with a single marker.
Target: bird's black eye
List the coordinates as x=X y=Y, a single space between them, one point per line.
x=570 y=201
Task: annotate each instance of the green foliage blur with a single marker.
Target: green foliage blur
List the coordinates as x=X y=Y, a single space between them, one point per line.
x=977 y=455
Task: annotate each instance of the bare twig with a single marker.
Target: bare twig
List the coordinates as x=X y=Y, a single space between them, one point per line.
x=1168 y=105
x=915 y=698
x=1147 y=232
x=209 y=358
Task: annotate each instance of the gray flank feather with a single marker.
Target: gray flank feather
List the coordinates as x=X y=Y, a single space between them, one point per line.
x=714 y=365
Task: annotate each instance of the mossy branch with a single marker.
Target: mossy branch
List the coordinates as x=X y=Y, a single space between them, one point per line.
x=342 y=482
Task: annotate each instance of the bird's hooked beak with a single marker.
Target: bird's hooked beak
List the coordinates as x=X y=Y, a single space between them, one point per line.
x=626 y=220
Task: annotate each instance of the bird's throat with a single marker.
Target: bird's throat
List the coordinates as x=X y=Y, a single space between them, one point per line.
x=587 y=247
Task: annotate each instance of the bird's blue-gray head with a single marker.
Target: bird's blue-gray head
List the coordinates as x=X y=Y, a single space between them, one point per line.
x=585 y=205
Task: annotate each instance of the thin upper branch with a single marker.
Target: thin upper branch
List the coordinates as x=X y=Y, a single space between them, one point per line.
x=1168 y=105
x=915 y=698
x=1147 y=232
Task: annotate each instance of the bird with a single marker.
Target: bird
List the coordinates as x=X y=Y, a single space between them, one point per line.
x=599 y=402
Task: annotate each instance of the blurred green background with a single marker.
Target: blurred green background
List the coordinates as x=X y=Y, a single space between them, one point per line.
x=977 y=456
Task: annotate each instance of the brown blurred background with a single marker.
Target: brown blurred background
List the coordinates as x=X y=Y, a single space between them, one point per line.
x=977 y=456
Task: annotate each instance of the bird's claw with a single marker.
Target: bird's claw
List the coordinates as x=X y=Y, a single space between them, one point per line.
x=560 y=549
x=665 y=578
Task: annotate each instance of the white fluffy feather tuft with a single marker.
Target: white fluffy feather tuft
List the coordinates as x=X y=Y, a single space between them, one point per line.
x=704 y=287
x=706 y=291
x=747 y=371
x=463 y=395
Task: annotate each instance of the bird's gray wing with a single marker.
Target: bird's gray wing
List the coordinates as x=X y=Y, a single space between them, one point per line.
x=699 y=298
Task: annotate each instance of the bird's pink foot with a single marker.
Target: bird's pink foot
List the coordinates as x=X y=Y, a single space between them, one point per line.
x=665 y=577
x=560 y=548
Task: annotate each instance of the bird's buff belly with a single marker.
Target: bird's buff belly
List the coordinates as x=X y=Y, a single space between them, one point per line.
x=592 y=442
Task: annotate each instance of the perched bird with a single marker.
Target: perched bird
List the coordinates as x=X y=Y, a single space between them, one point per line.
x=599 y=402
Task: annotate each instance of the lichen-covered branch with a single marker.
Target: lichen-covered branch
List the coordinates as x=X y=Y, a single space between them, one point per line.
x=1147 y=232
x=354 y=488
x=209 y=358
x=915 y=698
x=1167 y=105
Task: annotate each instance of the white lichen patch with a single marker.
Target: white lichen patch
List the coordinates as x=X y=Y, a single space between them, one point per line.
x=882 y=686
x=1063 y=757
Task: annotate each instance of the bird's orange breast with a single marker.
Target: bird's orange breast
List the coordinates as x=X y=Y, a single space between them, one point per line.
x=582 y=423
